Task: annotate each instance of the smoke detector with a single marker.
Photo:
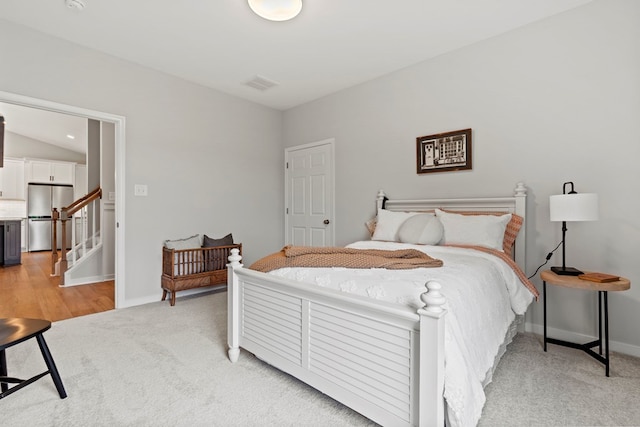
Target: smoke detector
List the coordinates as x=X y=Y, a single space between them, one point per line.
x=75 y=4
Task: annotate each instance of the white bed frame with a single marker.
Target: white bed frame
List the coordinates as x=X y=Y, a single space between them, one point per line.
x=383 y=360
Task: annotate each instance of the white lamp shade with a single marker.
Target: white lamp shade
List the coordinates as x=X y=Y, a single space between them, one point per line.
x=574 y=207
x=276 y=10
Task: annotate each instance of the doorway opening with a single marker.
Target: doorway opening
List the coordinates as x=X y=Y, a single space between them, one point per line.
x=118 y=125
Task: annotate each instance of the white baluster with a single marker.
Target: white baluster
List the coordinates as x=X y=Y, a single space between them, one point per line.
x=83 y=219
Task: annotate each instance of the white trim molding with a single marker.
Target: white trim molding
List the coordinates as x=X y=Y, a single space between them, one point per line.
x=119 y=122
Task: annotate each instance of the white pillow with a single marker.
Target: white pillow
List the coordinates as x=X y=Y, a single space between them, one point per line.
x=187 y=262
x=389 y=223
x=478 y=230
x=187 y=243
x=423 y=229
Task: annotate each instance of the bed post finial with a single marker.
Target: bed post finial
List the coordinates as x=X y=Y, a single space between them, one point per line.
x=235 y=258
x=520 y=190
x=381 y=198
x=433 y=299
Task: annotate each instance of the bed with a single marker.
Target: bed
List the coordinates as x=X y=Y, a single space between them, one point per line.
x=383 y=359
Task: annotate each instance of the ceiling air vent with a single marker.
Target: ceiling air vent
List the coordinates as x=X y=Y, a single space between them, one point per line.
x=261 y=83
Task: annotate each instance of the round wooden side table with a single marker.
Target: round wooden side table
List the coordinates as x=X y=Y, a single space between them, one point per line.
x=575 y=282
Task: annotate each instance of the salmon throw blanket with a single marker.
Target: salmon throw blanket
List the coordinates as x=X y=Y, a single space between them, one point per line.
x=307 y=256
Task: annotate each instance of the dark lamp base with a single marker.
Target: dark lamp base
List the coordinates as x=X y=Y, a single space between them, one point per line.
x=566 y=271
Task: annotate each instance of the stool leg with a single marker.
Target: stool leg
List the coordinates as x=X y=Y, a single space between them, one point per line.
x=51 y=365
x=3 y=370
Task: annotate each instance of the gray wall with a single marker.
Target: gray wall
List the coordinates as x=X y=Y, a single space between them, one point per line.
x=16 y=145
x=94 y=168
x=209 y=159
x=555 y=101
x=93 y=154
x=108 y=159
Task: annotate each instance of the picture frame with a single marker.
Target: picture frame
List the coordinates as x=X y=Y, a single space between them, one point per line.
x=444 y=152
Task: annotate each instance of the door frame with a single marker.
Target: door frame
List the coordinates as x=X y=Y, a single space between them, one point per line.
x=119 y=122
x=331 y=142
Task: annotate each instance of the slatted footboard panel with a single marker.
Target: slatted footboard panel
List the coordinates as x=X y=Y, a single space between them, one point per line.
x=354 y=356
x=273 y=321
x=369 y=358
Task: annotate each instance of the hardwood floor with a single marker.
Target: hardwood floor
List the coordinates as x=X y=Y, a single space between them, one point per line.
x=28 y=290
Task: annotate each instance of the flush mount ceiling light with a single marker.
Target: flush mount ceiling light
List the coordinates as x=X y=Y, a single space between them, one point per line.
x=75 y=4
x=276 y=10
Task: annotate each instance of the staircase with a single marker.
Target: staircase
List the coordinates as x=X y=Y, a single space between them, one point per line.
x=83 y=262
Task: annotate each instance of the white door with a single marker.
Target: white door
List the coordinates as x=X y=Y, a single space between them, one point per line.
x=309 y=186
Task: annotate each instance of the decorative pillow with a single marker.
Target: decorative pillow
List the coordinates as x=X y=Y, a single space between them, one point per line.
x=216 y=260
x=186 y=262
x=208 y=242
x=389 y=223
x=423 y=229
x=479 y=230
x=186 y=243
x=510 y=233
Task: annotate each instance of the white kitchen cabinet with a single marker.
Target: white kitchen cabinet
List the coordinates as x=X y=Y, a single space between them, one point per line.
x=12 y=179
x=50 y=172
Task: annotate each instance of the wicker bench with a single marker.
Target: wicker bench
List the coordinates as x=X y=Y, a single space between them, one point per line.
x=194 y=268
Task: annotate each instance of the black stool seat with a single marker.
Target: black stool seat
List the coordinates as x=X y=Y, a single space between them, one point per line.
x=15 y=330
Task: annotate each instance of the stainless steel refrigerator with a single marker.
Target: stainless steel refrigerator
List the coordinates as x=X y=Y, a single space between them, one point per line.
x=41 y=199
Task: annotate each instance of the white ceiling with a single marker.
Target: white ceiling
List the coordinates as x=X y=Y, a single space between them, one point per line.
x=331 y=45
x=46 y=126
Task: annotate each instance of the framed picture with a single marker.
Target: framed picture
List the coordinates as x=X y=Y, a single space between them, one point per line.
x=449 y=151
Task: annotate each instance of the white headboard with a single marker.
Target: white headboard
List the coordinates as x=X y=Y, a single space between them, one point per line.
x=513 y=204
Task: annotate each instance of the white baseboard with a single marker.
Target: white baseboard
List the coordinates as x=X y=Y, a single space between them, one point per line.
x=156 y=297
x=561 y=334
x=88 y=280
x=139 y=301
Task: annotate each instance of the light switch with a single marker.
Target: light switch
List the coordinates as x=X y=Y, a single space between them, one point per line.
x=140 y=190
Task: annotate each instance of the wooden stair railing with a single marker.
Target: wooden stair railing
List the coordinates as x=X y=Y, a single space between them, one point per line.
x=65 y=214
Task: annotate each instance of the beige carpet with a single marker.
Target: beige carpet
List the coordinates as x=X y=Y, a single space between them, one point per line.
x=157 y=365
x=562 y=387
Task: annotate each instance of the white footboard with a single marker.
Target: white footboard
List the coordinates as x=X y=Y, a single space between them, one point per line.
x=382 y=360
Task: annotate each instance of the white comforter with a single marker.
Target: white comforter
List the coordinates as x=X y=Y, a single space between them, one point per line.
x=483 y=296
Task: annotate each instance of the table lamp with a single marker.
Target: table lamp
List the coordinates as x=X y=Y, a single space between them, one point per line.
x=571 y=206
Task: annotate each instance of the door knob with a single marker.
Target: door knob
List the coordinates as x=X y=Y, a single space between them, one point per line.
x=326 y=222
